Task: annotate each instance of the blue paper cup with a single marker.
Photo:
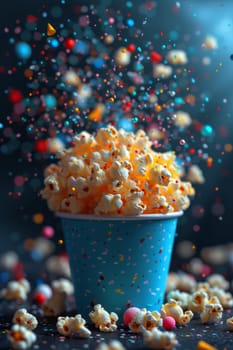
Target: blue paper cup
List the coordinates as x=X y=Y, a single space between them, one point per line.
x=119 y=261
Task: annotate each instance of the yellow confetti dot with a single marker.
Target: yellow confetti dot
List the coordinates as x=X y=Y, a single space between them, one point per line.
x=50 y=30
x=118 y=290
x=121 y=258
x=60 y=241
x=38 y=218
x=202 y=345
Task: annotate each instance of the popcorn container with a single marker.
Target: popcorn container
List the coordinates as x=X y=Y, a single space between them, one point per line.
x=118 y=261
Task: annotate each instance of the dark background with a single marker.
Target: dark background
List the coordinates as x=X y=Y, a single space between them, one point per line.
x=209 y=219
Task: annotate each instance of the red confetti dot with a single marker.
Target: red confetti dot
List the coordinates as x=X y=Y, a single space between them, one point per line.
x=69 y=43
x=41 y=146
x=15 y=96
x=39 y=298
x=155 y=57
x=131 y=48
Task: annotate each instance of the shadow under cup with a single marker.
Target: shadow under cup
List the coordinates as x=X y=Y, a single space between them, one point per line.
x=119 y=261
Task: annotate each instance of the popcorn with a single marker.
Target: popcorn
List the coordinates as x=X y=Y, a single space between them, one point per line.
x=57 y=303
x=68 y=326
x=20 y=337
x=16 y=290
x=217 y=280
x=113 y=345
x=104 y=321
x=122 y=56
x=177 y=57
x=145 y=319
x=162 y=71
x=212 y=313
x=172 y=308
x=115 y=173
x=155 y=339
x=58 y=265
x=225 y=298
x=181 y=297
x=229 y=323
x=210 y=43
x=24 y=318
x=195 y=175
x=109 y=204
x=198 y=300
x=182 y=119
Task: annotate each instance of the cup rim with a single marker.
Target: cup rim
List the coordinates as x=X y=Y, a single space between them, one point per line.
x=141 y=217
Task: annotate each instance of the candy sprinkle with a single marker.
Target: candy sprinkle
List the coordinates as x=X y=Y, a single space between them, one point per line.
x=202 y=345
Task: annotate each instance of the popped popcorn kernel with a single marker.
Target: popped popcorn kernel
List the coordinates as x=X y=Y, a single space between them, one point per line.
x=24 y=318
x=68 y=326
x=155 y=339
x=104 y=321
x=20 y=337
x=113 y=345
x=229 y=324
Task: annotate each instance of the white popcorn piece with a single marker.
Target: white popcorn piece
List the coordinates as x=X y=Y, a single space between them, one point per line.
x=8 y=260
x=229 y=324
x=177 y=57
x=63 y=285
x=72 y=205
x=182 y=119
x=210 y=43
x=55 y=305
x=113 y=345
x=217 y=280
x=181 y=297
x=68 y=326
x=212 y=313
x=172 y=308
x=109 y=204
x=195 y=175
x=155 y=339
x=119 y=172
x=146 y=319
x=104 y=321
x=133 y=206
x=20 y=337
x=198 y=300
x=122 y=56
x=58 y=265
x=24 y=318
x=225 y=298
x=16 y=290
x=162 y=71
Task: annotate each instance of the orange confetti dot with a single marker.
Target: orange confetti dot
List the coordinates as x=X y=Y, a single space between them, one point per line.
x=38 y=218
x=228 y=147
x=202 y=345
x=50 y=30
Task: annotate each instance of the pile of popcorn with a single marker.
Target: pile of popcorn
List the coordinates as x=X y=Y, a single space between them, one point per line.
x=115 y=173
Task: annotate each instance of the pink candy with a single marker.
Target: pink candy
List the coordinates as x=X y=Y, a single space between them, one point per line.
x=169 y=323
x=129 y=314
x=48 y=231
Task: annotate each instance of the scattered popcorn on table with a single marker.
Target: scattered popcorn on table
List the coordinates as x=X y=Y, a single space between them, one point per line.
x=145 y=318
x=104 y=321
x=113 y=345
x=172 y=308
x=16 y=290
x=155 y=339
x=55 y=305
x=68 y=326
x=229 y=323
x=115 y=173
x=20 y=337
x=225 y=298
x=24 y=318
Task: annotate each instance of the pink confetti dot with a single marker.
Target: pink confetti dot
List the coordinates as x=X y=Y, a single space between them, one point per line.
x=48 y=231
x=129 y=314
x=169 y=323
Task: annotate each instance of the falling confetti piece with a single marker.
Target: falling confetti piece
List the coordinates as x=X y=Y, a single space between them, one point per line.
x=50 y=30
